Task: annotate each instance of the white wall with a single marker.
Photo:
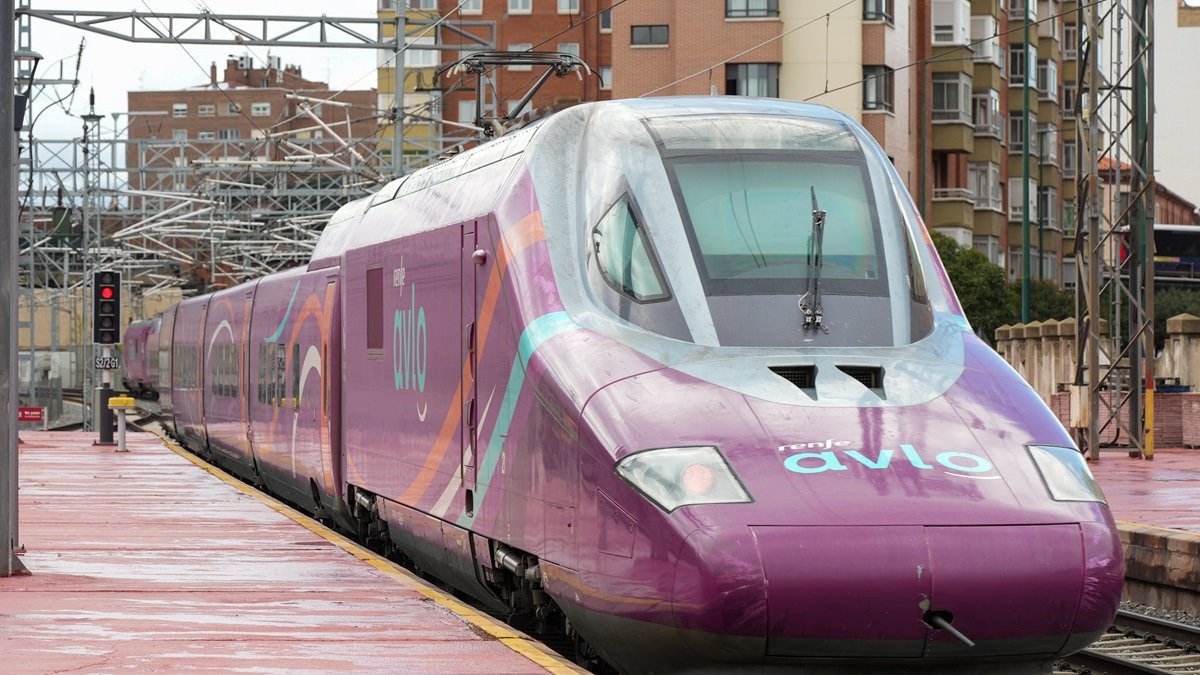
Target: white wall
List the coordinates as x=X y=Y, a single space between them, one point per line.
x=1177 y=98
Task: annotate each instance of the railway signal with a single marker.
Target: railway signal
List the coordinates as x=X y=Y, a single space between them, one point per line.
x=106 y=308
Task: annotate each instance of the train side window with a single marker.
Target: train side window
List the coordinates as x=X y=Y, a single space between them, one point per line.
x=280 y=374
x=262 y=383
x=295 y=374
x=624 y=256
x=375 y=310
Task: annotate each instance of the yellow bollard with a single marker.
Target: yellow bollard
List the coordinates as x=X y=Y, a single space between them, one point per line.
x=120 y=404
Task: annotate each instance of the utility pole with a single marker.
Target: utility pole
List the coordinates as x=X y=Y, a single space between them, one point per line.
x=1030 y=68
x=9 y=563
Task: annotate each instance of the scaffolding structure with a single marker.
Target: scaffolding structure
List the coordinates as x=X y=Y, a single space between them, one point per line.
x=1113 y=397
x=197 y=214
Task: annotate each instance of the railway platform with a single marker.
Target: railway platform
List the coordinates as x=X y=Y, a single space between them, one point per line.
x=142 y=561
x=1157 y=507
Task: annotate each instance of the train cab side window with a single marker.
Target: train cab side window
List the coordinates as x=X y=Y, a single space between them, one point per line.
x=624 y=256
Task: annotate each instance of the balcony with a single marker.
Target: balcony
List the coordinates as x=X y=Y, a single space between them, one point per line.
x=952 y=207
x=957 y=135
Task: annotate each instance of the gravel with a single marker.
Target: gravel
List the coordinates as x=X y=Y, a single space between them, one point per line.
x=1168 y=614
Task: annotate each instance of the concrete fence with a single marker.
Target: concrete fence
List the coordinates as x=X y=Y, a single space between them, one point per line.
x=1043 y=352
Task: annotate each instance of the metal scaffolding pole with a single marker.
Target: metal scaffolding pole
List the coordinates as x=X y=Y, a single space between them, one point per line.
x=1118 y=277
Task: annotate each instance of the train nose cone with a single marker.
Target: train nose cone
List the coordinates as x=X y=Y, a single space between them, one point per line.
x=870 y=592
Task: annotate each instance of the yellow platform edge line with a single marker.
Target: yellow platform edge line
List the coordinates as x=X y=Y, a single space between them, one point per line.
x=1145 y=526
x=515 y=640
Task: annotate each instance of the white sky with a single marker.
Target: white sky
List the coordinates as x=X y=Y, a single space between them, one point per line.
x=114 y=67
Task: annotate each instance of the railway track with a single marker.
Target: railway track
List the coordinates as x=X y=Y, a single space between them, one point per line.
x=1140 y=644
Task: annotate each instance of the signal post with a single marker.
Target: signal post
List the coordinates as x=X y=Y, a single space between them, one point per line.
x=106 y=332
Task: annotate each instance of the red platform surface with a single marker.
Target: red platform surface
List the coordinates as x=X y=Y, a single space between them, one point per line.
x=1163 y=492
x=143 y=561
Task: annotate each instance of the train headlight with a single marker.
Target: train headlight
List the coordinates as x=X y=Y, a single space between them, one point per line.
x=1066 y=474
x=675 y=477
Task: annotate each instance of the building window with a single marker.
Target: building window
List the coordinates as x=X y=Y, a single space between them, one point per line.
x=233 y=109
x=1070 y=43
x=228 y=134
x=1019 y=8
x=207 y=136
x=471 y=7
x=606 y=21
x=1016 y=133
x=752 y=79
x=260 y=109
x=206 y=110
x=422 y=4
x=951 y=97
x=466 y=111
x=568 y=6
x=951 y=22
x=179 y=134
x=416 y=57
x=985 y=114
x=520 y=6
x=741 y=9
x=179 y=110
x=1048 y=141
x=878 y=88
x=571 y=48
x=1016 y=63
x=1048 y=27
x=1069 y=216
x=1069 y=165
x=606 y=77
x=983 y=37
x=878 y=10
x=650 y=35
x=1014 y=199
x=1048 y=206
x=1047 y=76
x=1070 y=92
x=983 y=180
x=520 y=47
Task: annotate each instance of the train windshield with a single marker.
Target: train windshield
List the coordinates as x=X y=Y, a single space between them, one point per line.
x=745 y=195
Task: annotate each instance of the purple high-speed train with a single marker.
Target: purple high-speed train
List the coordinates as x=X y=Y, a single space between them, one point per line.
x=681 y=376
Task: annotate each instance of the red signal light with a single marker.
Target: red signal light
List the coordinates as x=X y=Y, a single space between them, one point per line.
x=106 y=293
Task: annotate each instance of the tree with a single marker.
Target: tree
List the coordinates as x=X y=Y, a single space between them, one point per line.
x=986 y=297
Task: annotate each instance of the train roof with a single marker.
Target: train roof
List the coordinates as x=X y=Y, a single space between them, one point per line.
x=628 y=116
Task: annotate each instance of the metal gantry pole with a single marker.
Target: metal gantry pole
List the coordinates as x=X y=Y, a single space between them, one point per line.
x=398 y=106
x=9 y=563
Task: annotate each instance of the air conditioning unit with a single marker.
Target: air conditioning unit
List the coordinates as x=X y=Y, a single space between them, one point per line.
x=245 y=62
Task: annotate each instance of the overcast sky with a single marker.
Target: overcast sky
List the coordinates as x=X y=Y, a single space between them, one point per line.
x=114 y=67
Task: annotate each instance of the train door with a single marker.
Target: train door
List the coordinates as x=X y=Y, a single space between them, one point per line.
x=471 y=282
x=330 y=420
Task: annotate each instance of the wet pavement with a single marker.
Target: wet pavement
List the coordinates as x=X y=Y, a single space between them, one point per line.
x=1164 y=492
x=144 y=561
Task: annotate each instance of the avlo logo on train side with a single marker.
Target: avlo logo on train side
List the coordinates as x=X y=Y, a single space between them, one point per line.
x=833 y=458
x=410 y=343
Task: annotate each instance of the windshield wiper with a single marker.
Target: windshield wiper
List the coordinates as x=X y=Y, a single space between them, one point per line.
x=810 y=302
